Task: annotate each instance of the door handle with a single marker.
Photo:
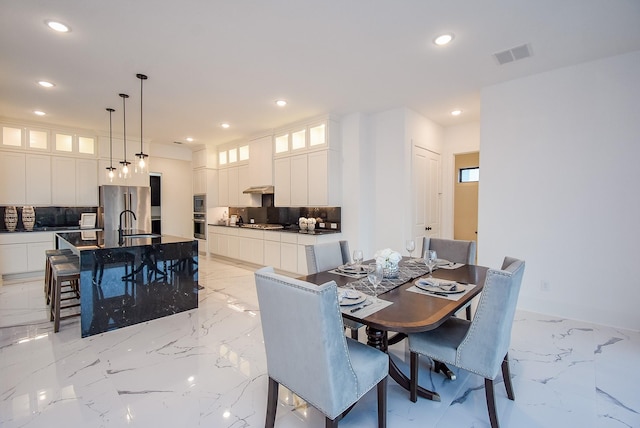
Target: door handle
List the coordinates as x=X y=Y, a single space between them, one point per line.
x=427 y=228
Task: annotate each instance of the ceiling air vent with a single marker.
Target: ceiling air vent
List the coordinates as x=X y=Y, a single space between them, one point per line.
x=513 y=54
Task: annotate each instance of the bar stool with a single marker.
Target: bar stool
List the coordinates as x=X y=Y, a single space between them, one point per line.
x=65 y=274
x=52 y=260
x=47 y=268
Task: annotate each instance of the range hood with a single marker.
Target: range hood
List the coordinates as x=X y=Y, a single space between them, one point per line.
x=260 y=190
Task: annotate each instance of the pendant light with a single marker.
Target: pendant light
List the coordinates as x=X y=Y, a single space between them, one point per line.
x=142 y=166
x=110 y=169
x=124 y=170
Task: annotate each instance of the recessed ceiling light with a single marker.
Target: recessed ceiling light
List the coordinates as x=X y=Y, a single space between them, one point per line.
x=58 y=26
x=189 y=139
x=443 y=39
x=45 y=84
x=456 y=112
x=39 y=113
x=225 y=125
x=281 y=103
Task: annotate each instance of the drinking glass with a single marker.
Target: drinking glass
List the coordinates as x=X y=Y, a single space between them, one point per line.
x=410 y=245
x=430 y=259
x=375 y=273
x=357 y=258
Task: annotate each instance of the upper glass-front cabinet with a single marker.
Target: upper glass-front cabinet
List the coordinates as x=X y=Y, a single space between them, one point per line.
x=230 y=155
x=309 y=137
x=46 y=140
x=78 y=144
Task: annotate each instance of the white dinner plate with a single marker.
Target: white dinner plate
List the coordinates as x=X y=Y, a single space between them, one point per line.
x=431 y=284
x=442 y=262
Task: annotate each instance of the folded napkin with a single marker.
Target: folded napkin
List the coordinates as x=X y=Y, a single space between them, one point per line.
x=345 y=293
x=442 y=284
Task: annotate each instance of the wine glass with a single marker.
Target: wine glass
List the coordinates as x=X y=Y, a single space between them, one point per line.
x=430 y=259
x=357 y=259
x=410 y=245
x=375 y=273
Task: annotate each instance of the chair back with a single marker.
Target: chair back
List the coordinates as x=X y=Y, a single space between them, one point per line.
x=488 y=338
x=454 y=250
x=305 y=345
x=330 y=255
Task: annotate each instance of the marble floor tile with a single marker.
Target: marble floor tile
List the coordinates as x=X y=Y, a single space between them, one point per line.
x=207 y=367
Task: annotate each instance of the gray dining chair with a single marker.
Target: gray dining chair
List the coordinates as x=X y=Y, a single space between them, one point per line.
x=454 y=250
x=311 y=356
x=480 y=346
x=326 y=256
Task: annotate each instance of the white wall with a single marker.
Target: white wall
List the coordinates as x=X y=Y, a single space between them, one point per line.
x=559 y=188
x=377 y=196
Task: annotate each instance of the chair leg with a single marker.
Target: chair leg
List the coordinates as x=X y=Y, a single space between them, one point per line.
x=469 y=312
x=413 y=380
x=354 y=333
x=272 y=403
x=506 y=375
x=491 y=403
x=330 y=423
x=382 y=403
x=439 y=366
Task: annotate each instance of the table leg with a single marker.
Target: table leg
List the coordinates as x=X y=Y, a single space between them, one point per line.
x=378 y=339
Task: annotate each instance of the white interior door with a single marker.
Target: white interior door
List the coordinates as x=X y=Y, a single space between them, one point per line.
x=427 y=185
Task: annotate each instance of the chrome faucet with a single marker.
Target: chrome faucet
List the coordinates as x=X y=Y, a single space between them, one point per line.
x=120 y=231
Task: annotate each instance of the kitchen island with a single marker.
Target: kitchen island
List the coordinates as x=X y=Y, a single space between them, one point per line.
x=132 y=279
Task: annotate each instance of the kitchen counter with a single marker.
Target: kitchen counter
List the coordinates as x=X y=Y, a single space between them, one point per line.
x=286 y=230
x=133 y=281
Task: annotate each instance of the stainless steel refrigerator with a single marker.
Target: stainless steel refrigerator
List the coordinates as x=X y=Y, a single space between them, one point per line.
x=115 y=199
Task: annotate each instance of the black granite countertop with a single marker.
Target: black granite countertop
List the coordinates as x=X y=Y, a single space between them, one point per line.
x=48 y=229
x=83 y=240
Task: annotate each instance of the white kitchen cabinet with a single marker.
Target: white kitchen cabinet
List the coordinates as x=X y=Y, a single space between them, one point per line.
x=38 y=179
x=299 y=181
x=13 y=172
x=63 y=180
x=261 y=162
x=272 y=249
x=86 y=182
x=251 y=245
x=36 y=259
x=223 y=188
x=289 y=257
x=24 y=252
x=282 y=181
x=244 y=199
x=13 y=258
x=199 y=181
x=234 y=187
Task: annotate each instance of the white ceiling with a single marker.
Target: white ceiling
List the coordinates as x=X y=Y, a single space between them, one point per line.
x=214 y=61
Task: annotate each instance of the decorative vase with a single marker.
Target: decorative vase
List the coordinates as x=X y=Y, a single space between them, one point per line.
x=10 y=218
x=391 y=270
x=28 y=218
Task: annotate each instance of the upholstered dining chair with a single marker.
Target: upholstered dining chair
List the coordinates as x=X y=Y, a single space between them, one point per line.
x=311 y=356
x=454 y=250
x=330 y=255
x=479 y=346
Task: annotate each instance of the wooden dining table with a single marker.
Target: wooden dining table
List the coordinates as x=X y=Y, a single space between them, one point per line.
x=409 y=312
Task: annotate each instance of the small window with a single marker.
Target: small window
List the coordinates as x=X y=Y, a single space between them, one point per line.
x=469 y=175
x=11 y=136
x=38 y=139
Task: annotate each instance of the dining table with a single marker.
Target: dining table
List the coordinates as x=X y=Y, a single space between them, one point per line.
x=406 y=309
